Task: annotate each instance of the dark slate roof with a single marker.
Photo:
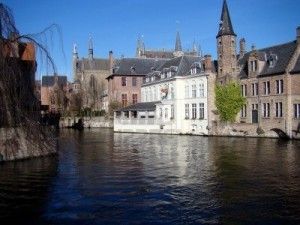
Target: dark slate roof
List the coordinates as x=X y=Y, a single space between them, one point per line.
x=283 y=52
x=49 y=81
x=142 y=106
x=183 y=63
x=137 y=66
x=94 y=64
x=297 y=66
x=225 y=23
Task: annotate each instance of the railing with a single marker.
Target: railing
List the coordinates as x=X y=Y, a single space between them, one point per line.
x=134 y=121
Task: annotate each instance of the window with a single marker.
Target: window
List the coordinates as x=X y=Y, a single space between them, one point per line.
x=244 y=111
x=278 y=109
x=160 y=113
x=201 y=111
x=244 y=90
x=172 y=93
x=123 y=81
x=187 y=94
x=297 y=111
x=201 y=90
x=253 y=66
x=134 y=81
x=194 y=111
x=166 y=113
x=267 y=87
x=194 y=91
x=134 y=98
x=172 y=112
x=254 y=89
x=266 y=110
x=194 y=70
x=254 y=106
x=187 y=111
x=279 y=86
x=124 y=100
x=169 y=74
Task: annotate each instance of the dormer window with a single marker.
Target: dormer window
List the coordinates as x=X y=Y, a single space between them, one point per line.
x=272 y=60
x=162 y=76
x=253 y=65
x=194 y=71
x=147 y=79
x=132 y=69
x=196 y=68
x=152 y=78
x=169 y=73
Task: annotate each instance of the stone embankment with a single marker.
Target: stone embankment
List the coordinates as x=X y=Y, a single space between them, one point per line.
x=89 y=122
x=240 y=130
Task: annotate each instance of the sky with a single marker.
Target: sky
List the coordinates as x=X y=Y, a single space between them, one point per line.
x=116 y=24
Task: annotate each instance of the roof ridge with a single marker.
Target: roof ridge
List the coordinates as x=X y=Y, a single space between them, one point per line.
x=277 y=45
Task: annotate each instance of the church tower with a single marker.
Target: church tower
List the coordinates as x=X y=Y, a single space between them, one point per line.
x=226 y=45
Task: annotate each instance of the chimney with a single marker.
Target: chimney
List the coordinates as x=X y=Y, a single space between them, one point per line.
x=242 y=47
x=298 y=35
x=110 y=61
x=207 y=63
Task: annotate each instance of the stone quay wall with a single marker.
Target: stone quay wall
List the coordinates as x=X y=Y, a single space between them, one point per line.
x=89 y=122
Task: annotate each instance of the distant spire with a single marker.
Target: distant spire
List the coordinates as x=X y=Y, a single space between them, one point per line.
x=91 y=51
x=75 y=52
x=178 y=47
x=140 y=47
x=195 y=46
x=225 y=23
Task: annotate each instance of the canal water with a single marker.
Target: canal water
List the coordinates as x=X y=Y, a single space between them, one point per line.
x=101 y=177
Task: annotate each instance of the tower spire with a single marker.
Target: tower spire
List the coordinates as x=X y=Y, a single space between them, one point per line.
x=178 y=47
x=91 y=51
x=225 y=27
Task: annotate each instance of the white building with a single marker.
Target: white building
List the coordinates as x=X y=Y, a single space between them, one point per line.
x=174 y=99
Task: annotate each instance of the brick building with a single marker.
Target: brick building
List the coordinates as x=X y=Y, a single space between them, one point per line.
x=269 y=78
x=54 y=91
x=124 y=84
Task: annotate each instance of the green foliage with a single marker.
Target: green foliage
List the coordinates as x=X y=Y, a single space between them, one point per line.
x=229 y=101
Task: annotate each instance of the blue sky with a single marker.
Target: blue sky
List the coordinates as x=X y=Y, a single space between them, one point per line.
x=116 y=24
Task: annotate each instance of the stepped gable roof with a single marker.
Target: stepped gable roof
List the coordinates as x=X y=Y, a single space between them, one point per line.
x=137 y=66
x=225 y=23
x=142 y=106
x=296 y=69
x=93 y=64
x=49 y=81
x=282 y=52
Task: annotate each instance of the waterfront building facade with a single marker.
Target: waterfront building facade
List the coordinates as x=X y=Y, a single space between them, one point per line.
x=124 y=84
x=269 y=79
x=174 y=99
